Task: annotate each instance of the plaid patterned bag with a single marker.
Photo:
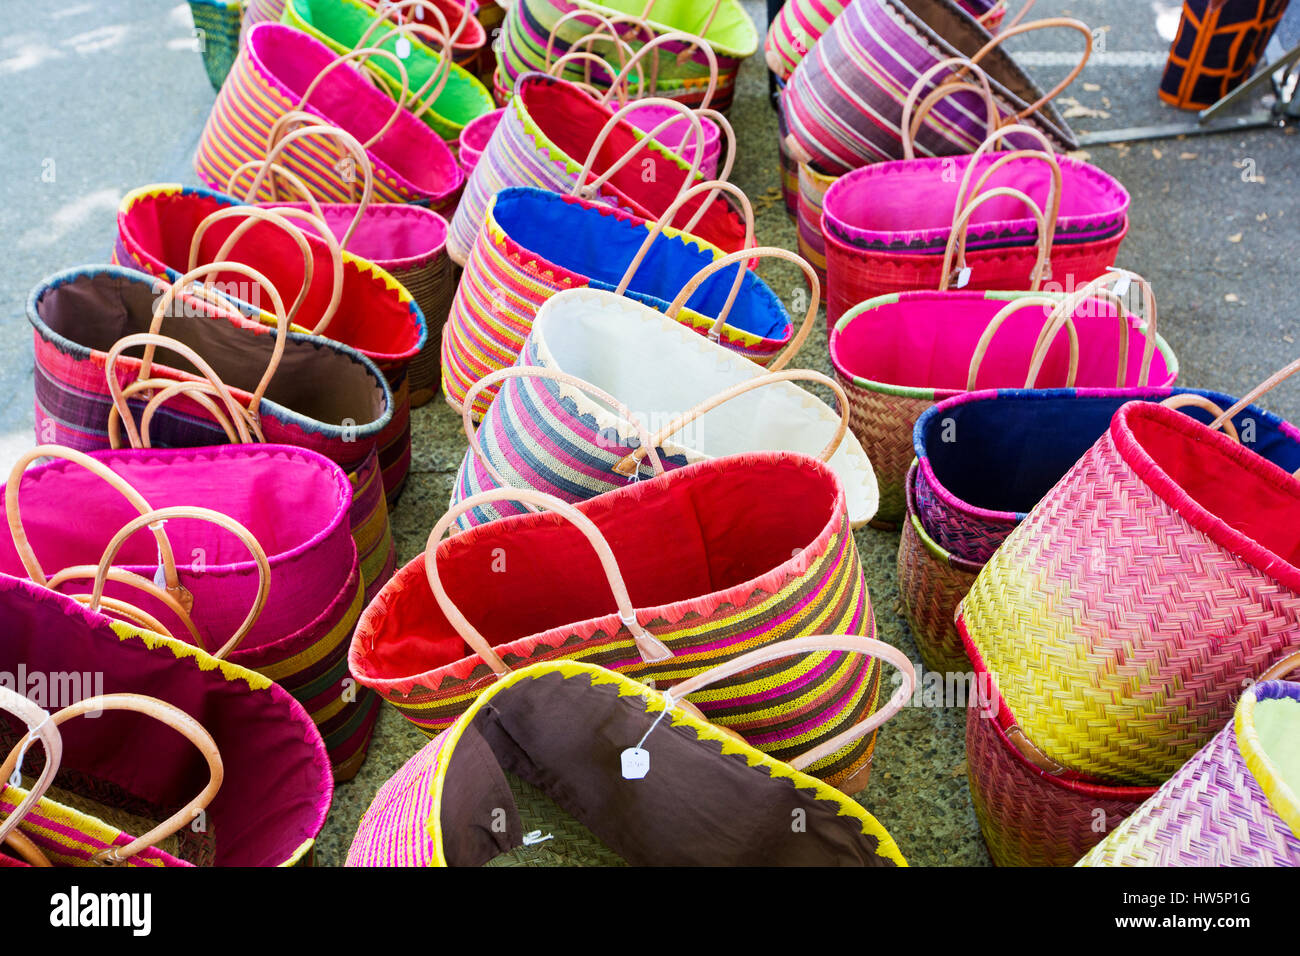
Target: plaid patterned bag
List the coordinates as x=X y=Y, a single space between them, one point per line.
x=568 y=723
x=762 y=552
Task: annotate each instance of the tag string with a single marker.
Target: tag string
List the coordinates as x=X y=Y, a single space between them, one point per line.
x=16 y=780
x=668 y=705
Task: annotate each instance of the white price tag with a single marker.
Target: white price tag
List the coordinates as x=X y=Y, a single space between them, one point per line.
x=963 y=277
x=419 y=13
x=1122 y=286
x=636 y=763
x=403 y=48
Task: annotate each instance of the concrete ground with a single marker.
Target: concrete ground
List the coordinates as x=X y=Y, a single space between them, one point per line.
x=99 y=97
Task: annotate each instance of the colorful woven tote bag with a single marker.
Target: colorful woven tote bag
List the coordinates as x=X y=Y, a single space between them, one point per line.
x=974 y=339
x=985 y=459
x=844 y=102
x=122 y=775
x=535 y=244
x=1123 y=614
x=444 y=95
x=299 y=635
x=1234 y=804
x=1028 y=815
x=545 y=134
x=216 y=31
x=281 y=70
x=1217 y=46
x=407 y=241
x=557 y=771
x=565 y=423
x=931 y=583
x=79 y=316
x=887 y=227
x=799 y=24
x=786 y=569
x=537 y=31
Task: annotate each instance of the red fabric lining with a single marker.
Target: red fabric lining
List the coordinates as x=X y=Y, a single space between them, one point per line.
x=707 y=530
x=572 y=120
x=1243 y=502
x=370 y=317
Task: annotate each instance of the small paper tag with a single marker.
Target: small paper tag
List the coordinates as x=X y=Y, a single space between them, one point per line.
x=636 y=763
x=160 y=577
x=1122 y=286
x=419 y=13
x=963 y=277
x=403 y=48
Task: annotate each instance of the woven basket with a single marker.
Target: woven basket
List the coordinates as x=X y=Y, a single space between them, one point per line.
x=897 y=355
x=217 y=27
x=1234 y=804
x=987 y=458
x=1028 y=816
x=931 y=583
x=706 y=798
x=844 y=102
x=1126 y=611
x=811 y=194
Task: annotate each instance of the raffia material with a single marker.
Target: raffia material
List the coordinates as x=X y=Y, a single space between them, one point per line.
x=1030 y=818
x=1118 y=628
x=931 y=583
x=219 y=21
x=883 y=423
x=1220 y=809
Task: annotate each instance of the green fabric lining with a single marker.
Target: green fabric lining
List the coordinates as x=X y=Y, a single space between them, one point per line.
x=1277 y=723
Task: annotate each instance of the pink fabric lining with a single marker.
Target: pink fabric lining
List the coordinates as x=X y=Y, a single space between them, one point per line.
x=391 y=235
x=925 y=340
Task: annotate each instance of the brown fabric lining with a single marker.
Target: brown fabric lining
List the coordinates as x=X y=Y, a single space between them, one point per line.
x=317 y=382
x=696 y=807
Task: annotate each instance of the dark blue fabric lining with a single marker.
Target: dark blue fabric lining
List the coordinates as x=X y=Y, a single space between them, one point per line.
x=600 y=247
x=1006 y=454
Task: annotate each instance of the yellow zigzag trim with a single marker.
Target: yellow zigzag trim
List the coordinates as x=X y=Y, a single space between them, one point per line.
x=655 y=701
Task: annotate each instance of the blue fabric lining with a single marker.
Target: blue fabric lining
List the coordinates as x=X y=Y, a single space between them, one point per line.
x=600 y=246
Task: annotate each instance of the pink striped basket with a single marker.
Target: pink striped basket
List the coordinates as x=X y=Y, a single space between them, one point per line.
x=274 y=76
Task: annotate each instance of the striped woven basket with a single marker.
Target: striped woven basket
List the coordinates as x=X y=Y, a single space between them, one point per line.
x=551 y=430
x=844 y=102
x=727 y=584
x=536 y=32
x=1124 y=613
x=537 y=803
x=1236 y=803
x=79 y=314
x=217 y=26
x=931 y=583
x=546 y=132
x=876 y=349
x=987 y=458
x=272 y=77
x=457 y=97
x=789 y=165
x=811 y=195
x=1028 y=816
x=373 y=312
x=799 y=24
x=534 y=244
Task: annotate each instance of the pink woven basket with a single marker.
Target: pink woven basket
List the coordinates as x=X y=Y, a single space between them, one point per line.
x=897 y=355
x=1122 y=617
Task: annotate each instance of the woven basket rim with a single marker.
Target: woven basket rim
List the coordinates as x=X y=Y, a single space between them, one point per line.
x=935 y=549
x=1163 y=486
x=1281 y=796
